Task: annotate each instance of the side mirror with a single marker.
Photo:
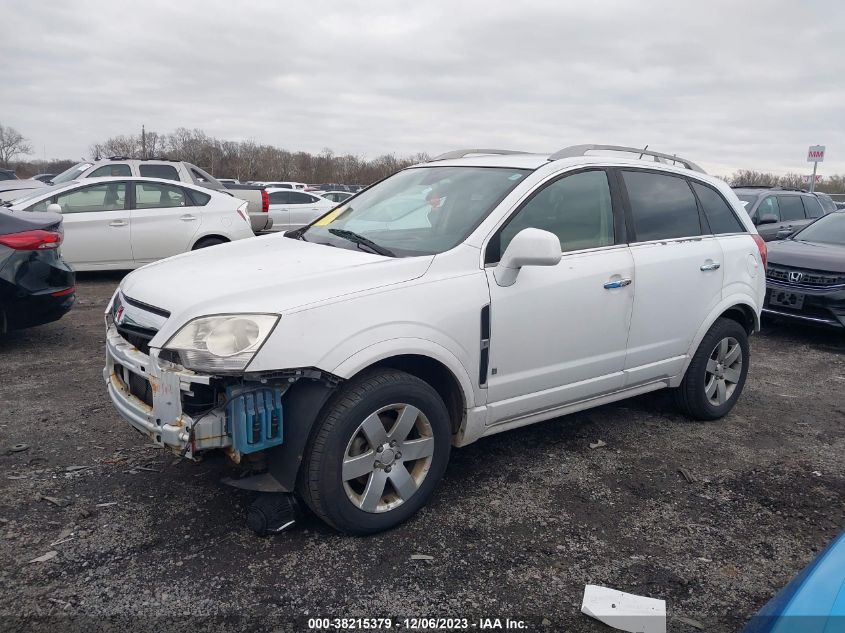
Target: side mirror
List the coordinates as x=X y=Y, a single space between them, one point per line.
x=768 y=218
x=783 y=234
x=529 y=247
x=54 y=208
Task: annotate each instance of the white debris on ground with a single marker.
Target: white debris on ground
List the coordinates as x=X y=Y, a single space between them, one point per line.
x=624 y=611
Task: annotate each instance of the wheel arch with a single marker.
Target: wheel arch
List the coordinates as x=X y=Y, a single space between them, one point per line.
x=737 y=308
x=215 y=236
x=307 y=398
x=436 y=374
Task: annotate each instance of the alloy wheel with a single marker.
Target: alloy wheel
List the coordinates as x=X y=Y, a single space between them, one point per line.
x=724 y=368
x=387 y=458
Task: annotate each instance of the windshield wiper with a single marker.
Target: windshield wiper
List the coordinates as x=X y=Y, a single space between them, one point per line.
x=360 y=240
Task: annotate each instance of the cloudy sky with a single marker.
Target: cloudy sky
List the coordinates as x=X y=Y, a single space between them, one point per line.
x=729 y=84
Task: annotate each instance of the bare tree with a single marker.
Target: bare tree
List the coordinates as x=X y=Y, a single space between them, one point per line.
x=12 y=143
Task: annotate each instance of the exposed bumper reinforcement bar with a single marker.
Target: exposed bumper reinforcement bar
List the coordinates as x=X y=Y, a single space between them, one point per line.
x=163 y=422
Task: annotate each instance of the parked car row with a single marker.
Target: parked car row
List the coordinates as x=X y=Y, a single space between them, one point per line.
x=119 y=223
x=180 y=171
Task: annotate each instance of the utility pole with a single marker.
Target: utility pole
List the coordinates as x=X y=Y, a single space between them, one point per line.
x=143 y=142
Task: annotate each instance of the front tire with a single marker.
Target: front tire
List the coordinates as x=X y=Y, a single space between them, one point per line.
x=717 y=373
x=378 y=452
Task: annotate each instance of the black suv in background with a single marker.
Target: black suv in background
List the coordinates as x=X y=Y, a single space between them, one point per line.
x=779 y=211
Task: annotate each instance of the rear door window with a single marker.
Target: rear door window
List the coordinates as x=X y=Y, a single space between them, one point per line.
x=279 y=197
x=812 y=206
x=662 y=206
x=297 y=197
x=155 y=195
x=158 y=170
x=119 y=170
x=720 y=216
x=791 y=208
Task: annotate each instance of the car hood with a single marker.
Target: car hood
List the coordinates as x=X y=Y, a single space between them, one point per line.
x=812 y=255
x=268 y=274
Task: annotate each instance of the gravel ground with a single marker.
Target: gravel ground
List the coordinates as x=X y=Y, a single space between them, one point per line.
x=522 y=521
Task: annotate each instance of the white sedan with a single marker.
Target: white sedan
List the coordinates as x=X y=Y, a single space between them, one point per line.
x=291 y=209
x=122 y=223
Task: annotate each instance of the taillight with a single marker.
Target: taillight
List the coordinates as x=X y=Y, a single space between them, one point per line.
x=265 y=201
x=36 y=240
x=242 y=212
x=764 y=251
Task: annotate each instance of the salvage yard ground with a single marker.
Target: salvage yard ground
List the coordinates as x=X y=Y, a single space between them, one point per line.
x=712 y=517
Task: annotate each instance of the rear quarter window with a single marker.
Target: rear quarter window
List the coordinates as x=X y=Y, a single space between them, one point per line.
x=719 y=214
x=199 y=198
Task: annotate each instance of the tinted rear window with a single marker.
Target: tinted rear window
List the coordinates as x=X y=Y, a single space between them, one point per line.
x=167 y=172
x=662 y=206
x=719 y=215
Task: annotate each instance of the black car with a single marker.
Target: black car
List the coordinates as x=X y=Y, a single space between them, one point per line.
x=7 y=174
x=779 y=211
x=805 y=278
x=36 y=284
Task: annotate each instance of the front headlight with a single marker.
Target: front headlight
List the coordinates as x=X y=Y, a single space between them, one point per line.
x=221 y=343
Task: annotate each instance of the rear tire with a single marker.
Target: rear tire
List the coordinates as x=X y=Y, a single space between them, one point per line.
x=716 y=375
x=208 y=241
x=354 y=475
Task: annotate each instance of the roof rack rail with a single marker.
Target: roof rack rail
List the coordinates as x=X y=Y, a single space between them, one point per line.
x=581 y=150
x=460 y=153
x=771 y=187
x=161 y=158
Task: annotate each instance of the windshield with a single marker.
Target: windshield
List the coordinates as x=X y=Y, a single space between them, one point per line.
x=419 y=211
x=29 y=194
x=829 y=229
x=70 y=174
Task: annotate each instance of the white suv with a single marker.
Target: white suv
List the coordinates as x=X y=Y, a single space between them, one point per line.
x=473 y=294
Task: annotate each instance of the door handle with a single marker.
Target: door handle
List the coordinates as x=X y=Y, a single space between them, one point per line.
x=711 y=266
x=618 y=283
x=118 y=223
x=188 y=217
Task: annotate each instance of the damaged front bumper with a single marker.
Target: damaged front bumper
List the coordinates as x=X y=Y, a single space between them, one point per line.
x=148 y=392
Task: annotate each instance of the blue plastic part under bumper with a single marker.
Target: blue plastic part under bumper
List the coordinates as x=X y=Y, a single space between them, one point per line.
x=254 y=418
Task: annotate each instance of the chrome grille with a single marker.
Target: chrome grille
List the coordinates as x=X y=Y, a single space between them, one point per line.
x=804 y=277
